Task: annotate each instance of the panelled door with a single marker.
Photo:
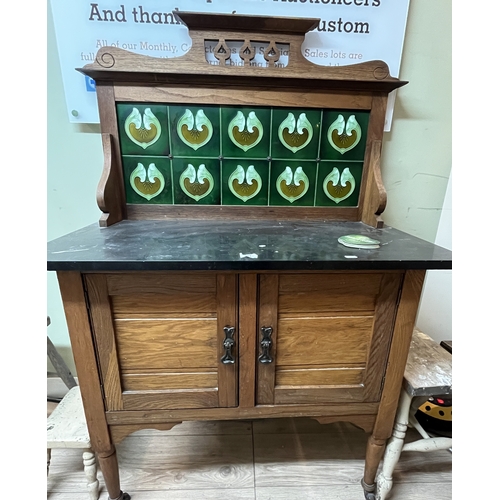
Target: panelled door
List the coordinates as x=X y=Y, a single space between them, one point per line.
x=324 y=338
x=165 y=340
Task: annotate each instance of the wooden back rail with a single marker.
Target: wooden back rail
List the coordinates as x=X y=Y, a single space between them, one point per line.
x=116 y=64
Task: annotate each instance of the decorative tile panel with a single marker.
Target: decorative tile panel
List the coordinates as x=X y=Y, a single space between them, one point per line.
x=242 y=155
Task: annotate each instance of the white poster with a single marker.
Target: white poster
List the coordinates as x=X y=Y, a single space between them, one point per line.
x=349 y=31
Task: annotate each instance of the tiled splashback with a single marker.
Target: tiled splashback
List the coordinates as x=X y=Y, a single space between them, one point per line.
x=229 y=155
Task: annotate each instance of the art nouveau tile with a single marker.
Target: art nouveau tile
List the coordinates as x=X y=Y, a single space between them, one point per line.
x=338 y=183
x=245 y=182
x=295 y=133
x=292 y=183
x=143 y=129
x=196 y=181
x=343 y=135
x=245 y=132
x=195 y=131
x=148 y=179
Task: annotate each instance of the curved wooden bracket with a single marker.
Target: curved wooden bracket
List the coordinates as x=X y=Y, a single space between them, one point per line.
x=364 y=422
x=120 y=432
x=376 y=196
x=376 y=154
x=110 y=197
x=106 y=172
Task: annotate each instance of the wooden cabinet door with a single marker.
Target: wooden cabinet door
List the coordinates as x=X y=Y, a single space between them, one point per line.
x=160 y=339
x=324 y=338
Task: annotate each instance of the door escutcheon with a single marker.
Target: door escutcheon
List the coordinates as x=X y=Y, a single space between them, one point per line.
x=228 y=344
x=266 y=344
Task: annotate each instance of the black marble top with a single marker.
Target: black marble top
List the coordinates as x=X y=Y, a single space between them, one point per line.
x=237 y=245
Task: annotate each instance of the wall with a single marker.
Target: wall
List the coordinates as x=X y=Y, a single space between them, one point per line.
x=435 y=311
x=74 y=164
x=417 y=152
x=416 y=156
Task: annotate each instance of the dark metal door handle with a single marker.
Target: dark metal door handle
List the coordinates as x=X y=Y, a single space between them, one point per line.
x=228 y=344
x=266 y=344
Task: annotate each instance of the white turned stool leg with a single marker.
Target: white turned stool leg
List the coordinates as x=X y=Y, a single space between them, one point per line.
x=428 y=443
x=90 y=468
x=394 y=446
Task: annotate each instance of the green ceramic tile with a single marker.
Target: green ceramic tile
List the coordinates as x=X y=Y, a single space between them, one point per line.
x=287 y=142
x=148 y=179
x=196 y=181
x=343 y=135
x=286 y=174
x=195 y=131
x=245 y=182
x=331 y=193
x=245 y=132
x=143 y=129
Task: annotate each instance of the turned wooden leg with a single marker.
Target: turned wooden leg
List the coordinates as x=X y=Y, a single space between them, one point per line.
x=374 y=452
x=48 y=460
x=90 y=468
x=109 y=468
x=394 y=446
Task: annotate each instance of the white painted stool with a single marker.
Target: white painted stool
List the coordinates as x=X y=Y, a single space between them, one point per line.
x=427 y=374
x=67 y=428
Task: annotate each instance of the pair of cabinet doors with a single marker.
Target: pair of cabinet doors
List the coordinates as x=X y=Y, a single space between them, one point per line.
x=207 y=339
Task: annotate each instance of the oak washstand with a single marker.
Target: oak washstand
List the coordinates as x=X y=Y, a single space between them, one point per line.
x=214 y=286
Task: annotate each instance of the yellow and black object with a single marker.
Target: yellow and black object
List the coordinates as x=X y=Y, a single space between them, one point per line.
x=435 y=416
